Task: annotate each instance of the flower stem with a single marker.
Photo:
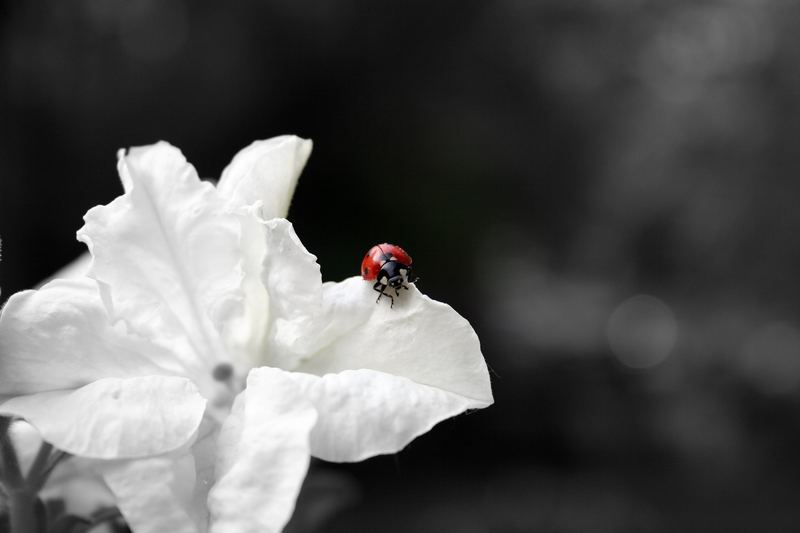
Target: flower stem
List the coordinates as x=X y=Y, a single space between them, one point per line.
x=22 y=510
x=12 y=475
x=5 y=423
x=37 y=478
x=41 y=460
x=23 y=503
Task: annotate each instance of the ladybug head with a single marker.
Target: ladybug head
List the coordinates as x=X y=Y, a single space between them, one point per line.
x=396 y=282
x=402 y=276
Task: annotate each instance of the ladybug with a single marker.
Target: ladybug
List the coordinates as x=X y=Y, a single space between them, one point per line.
x=390 y=267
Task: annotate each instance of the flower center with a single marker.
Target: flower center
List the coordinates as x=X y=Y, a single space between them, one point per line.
x=222 y=372
x=221 y=400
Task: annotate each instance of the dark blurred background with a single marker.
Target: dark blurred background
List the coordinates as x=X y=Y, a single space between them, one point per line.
x=606 y=189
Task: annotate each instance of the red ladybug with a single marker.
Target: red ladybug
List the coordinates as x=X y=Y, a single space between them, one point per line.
x=390 y=267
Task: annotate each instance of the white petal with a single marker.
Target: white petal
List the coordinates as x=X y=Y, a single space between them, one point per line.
x=266 y=172
x=82 y=493
x=421 y=339
x=363 y=413
x=115 y=418
x=155 y=494
x=59 y=337
x=293 y=282
x=26 y=441
x=283 y=297
x=169 y=253
x=263 y=456
x=169 y=492
x=245 y=333
x=418 y=363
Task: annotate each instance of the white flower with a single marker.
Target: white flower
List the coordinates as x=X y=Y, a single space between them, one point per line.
x=190 y=282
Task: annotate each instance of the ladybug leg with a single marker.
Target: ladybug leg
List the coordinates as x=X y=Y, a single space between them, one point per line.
x=381 y=288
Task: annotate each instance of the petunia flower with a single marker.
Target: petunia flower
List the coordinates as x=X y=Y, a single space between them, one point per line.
x=203 y=361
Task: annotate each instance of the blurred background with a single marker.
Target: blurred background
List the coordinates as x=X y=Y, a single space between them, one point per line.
x=607 y=190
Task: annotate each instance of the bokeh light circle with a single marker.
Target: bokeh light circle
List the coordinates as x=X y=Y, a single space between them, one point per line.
x=642 y=331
